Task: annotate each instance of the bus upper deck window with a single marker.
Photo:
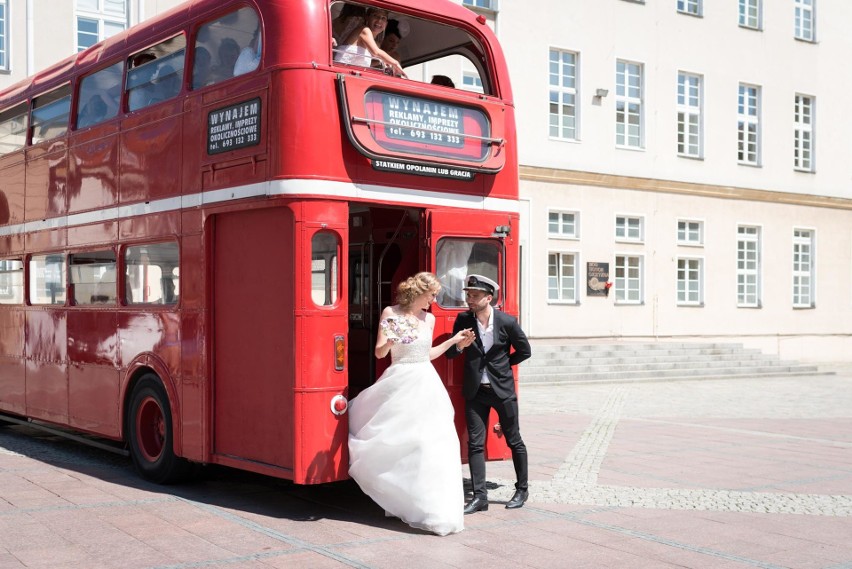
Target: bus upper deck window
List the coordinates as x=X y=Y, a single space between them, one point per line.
x=324 y=269
x=99 y=96
x=50 y=114
x=227 y=47
x=457 y=258
x=156 y=74
x=13 y=128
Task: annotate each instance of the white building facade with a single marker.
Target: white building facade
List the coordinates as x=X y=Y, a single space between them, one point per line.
x=684 y=170
x=697 y=150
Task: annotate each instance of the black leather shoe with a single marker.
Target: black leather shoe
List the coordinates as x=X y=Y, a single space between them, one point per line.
x=476 y=505
x=518 y=499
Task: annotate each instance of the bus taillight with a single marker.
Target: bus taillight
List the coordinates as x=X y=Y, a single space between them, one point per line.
x=339 y=405
x=339 y=352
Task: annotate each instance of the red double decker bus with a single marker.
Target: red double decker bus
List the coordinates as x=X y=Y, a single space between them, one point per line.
x=202 y=217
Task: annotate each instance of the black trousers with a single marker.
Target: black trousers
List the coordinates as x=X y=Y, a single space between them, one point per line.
x=476 y=413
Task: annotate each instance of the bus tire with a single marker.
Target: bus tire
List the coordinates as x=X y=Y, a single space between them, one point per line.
x=151 y=435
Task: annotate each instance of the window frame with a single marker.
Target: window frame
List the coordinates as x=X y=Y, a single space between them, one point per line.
x=560 y=91
x=5 y=43
x=749 y=21
x=682 y=294
x=810 y=273
x=94 y=299
x=690 y=7
x=626 y=237
x=685 y=241
x=748 y=115
x=625 y=100
x=689 y=111
x=803 y=132
x=492 y=5
x=102 y=19
x=619 y=282
x=574 y=279
x=559 y=234
x=745 y=299
x=802 y=13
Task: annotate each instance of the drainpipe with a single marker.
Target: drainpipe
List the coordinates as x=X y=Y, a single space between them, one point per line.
x=30 y=38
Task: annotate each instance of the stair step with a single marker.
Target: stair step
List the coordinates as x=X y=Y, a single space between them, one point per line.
x=652 y=361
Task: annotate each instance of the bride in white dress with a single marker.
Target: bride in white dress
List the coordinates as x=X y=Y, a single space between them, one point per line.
x=361 y=47
x=403 y=446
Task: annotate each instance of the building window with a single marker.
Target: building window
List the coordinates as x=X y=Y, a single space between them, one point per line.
x=628 y=279
x=563 y=94
x=690 y=275
x=804 y=19
x=98 y=20
x=629 y=228
x=750 y=12
x=803 y=268
x=689 y=132
x=4 y=35
x=563 y=224
x=562 y=277
x=748 y=266
x=628 y=104
x=803 y=133
x=748 y=125
x=472 y=82
x=690 y=232
x=484 y=4
x=691 y=7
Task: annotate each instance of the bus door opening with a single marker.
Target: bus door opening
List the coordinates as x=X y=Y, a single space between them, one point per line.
x=383 y=250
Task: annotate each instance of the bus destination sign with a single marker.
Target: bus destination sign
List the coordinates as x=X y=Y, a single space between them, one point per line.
x=423 y=169
x=233 y=127
x=428 y=127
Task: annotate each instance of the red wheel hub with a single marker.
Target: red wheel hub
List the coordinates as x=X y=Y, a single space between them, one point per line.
x=150 y=429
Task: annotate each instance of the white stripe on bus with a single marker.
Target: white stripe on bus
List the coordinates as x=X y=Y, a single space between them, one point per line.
x=312 y=188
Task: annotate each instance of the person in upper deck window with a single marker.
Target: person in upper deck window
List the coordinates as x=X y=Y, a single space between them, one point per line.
x=361 y=47
x=350 y=17
x=249 y=57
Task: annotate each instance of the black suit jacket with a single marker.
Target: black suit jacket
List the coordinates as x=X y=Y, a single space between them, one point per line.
x=511 y=347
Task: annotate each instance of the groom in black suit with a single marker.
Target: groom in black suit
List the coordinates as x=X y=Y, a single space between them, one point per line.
x=496 y=343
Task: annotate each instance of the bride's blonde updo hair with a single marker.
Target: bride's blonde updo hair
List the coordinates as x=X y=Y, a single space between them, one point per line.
x=412 y=287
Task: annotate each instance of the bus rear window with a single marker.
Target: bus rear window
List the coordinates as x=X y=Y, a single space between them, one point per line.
x=455 y=259
x=455 y=58
x=324 y=269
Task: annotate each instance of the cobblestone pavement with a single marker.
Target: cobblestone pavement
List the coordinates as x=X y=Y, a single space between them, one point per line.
x=711 y=473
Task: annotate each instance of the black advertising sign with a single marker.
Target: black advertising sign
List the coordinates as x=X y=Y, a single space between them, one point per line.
x=233 y=127
x=597 y=279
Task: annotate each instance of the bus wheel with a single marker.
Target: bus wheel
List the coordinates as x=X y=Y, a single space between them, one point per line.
x=151 y=434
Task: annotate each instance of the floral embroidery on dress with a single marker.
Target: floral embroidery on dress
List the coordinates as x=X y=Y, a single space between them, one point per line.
x=399 y=328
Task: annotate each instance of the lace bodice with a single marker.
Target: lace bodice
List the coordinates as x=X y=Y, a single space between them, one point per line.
x=415 y=352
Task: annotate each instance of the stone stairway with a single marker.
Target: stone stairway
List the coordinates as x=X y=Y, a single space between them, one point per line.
x=656 y=361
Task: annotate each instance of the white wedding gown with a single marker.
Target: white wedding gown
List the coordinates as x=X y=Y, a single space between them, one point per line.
x=403 y=446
